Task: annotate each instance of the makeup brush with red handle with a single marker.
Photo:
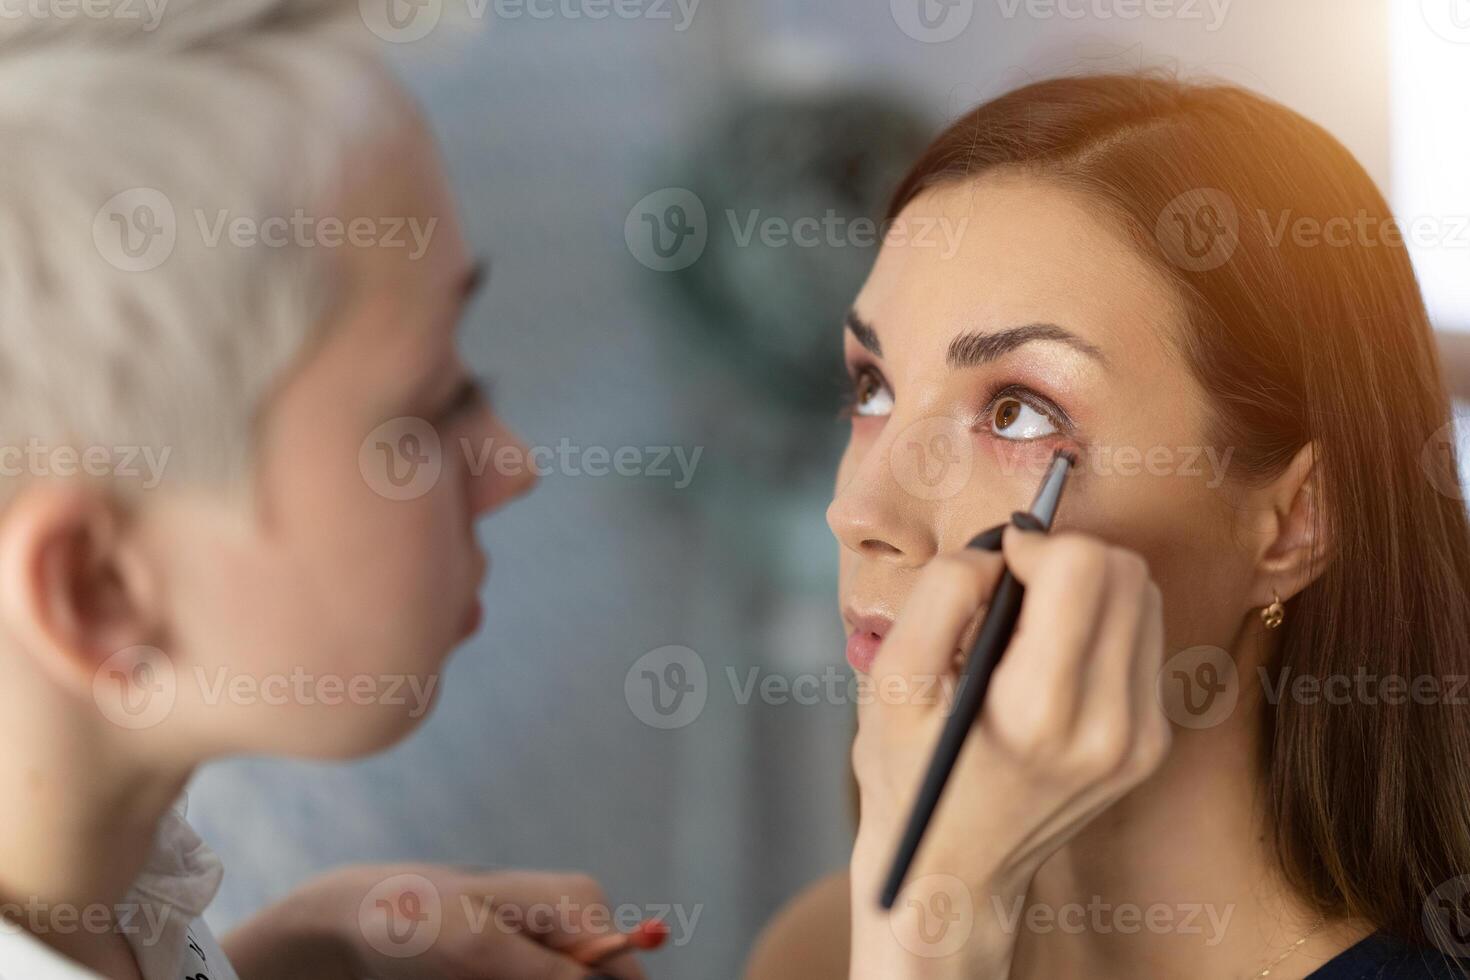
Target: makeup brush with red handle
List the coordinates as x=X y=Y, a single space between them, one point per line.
x=647 y=936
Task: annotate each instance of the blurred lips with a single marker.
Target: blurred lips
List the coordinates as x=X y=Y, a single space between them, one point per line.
x=865 y=638
x=473 y=617
x=476 y=611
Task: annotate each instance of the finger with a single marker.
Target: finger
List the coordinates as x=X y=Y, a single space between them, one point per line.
x=1109 y=710
x=558 y=909
x=611 y=950
x=624 y=966
x=922 y=642
x=523 y=958
x=1065 y=576
x=1147 y=663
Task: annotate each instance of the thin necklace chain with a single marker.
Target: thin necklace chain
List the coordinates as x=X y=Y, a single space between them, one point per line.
x=1291 y=949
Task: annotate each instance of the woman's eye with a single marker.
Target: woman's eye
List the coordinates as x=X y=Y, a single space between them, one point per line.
x=1011 y=418
x=870 y=394
x=471 y=393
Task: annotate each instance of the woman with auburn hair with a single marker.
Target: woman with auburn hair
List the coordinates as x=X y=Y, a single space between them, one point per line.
x=1229 y=738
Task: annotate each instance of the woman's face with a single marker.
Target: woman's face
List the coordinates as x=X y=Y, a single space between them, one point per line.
x=334 y=602
x=1006 y=318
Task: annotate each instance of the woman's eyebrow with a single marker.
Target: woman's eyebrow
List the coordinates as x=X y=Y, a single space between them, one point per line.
x=863 y=333
x=974 y=349
x=469 y=284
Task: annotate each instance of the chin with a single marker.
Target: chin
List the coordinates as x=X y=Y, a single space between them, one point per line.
x=376 y=732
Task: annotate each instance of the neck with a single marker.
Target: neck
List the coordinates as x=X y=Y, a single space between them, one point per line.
x=82 y=811
x=1178 y=878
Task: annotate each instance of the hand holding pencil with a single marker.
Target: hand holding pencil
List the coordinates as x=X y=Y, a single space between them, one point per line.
x=1070 y=723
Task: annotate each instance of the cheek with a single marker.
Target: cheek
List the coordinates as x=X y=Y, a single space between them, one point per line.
x=359 y=581
x=1028 y=458
x=404 y=565
x=1003 y=477
x=1183 y=530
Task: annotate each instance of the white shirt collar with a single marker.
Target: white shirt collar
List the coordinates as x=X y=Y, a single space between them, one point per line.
x=178 y=881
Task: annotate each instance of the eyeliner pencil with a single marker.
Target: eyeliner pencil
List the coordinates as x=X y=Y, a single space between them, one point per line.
x=992 y=640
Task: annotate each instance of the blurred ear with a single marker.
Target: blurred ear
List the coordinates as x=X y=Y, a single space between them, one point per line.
x=1290 y=532
x=73 y=588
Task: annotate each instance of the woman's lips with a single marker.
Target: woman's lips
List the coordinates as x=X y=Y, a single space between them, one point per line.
x=473 y=616
x=865 y=639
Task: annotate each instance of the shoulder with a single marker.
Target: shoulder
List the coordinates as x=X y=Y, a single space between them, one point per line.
x=808 y=938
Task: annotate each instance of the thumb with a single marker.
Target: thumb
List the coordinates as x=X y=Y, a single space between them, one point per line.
x=945 y=599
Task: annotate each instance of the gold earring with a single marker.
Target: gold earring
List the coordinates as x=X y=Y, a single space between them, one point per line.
x=1273 y=614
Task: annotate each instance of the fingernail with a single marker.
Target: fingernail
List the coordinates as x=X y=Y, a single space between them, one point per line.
x=1026 y=521
x=988 y=540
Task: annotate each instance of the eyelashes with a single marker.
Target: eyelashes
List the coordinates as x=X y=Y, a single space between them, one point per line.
x=868 y=394
x=1037 y=402
x=471 y=393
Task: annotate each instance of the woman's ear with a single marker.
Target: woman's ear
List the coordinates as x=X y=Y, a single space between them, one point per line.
x=74 y=588
x=1290 y=530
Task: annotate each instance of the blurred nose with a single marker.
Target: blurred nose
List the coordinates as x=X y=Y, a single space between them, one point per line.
x=873 y=514
x=511 y=471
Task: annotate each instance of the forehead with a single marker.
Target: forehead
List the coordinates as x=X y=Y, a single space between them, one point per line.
x=410 y=272
x=1010 y=249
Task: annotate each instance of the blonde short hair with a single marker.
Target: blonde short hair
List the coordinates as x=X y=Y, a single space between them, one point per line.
x=131 y=117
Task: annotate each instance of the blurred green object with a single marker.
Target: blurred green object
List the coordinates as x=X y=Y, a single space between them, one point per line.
x=794 y=188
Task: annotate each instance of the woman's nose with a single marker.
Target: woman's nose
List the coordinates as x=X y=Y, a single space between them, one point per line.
x=512 y=471
x=873 y=514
